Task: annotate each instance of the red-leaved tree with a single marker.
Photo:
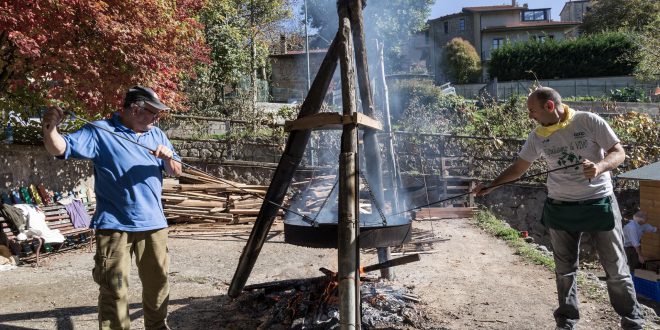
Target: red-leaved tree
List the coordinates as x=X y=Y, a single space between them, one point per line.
x=86 y=53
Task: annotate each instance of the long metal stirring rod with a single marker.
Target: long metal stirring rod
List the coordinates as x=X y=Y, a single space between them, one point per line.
x=304 y=217
x=497 y=185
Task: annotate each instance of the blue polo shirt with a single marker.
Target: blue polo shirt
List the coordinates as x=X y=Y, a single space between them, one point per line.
x=128 y=179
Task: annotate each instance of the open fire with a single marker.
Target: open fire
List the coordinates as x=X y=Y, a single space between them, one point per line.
x=313 y=303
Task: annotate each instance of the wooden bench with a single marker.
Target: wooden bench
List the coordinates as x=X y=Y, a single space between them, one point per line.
x=56 y=218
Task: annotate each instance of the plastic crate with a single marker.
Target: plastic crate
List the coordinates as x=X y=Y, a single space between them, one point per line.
x=647 y=289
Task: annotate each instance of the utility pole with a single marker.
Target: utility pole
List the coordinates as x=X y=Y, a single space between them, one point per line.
x=312 y=150
x=309 y=83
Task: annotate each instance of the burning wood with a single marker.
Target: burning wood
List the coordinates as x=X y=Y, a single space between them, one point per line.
x=313 y=303
x=391 y=263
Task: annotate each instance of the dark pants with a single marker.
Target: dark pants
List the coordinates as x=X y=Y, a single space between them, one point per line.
x=633 y=258
x=566 y=246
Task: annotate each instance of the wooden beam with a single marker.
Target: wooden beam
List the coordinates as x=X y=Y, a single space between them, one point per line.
x=331 y=120
x=347 y=227
x=371 y=146
x=289 y=162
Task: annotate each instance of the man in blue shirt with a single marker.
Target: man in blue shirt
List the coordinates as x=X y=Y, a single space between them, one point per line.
x=129 y=217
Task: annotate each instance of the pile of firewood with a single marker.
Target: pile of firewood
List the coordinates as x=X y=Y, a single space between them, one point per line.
x=198 y=197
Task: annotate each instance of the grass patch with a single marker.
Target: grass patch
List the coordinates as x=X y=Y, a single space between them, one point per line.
x=500 y=229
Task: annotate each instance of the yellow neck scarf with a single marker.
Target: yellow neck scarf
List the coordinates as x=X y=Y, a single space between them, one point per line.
x=545 y=131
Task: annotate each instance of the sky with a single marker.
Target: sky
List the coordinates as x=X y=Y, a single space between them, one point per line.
x=446 y=7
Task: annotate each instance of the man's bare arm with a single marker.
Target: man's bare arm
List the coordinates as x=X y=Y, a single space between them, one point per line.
x=615 y=156
x=53 y=140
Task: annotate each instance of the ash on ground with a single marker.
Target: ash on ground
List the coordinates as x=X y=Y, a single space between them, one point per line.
x=314 y=304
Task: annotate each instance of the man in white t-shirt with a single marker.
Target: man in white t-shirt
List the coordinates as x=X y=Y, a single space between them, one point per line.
x=580 y=199
x=632 y=239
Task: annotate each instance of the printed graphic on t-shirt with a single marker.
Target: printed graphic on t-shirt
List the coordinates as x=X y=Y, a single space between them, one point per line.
x=568 y=158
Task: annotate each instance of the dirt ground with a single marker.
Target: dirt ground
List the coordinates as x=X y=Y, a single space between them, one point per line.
x=472 y=281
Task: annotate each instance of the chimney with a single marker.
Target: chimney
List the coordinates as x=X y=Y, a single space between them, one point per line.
x=513 y=3
x=283 y=46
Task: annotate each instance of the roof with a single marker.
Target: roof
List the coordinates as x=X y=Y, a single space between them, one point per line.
x=527 y=25
x=300 y=52
x=480 y=10
x=648 y=172
x=446 y=17
x=493 y=8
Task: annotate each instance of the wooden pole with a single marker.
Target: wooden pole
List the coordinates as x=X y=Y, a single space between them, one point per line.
x=381 y=84
x=374 y=167
x=347 y=229
x=289 y=162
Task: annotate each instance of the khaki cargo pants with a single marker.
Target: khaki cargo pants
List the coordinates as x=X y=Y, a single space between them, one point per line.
x=114 y=251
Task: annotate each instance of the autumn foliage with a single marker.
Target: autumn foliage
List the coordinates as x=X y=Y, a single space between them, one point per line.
x=87 y=53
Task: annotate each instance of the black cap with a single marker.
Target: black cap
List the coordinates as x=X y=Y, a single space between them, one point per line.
x=146 y=94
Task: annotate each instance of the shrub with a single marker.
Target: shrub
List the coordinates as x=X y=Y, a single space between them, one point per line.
x=425 y=109
x=460 y=61
x=628 y=94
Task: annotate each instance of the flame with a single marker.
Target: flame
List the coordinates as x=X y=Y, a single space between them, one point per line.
x=362 y=272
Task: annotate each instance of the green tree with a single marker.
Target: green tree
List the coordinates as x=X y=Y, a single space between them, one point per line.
x=389 y=21
x=640 y=19
x=612 y=15
x=239 y=33
x=460 y=61
x=649 y=44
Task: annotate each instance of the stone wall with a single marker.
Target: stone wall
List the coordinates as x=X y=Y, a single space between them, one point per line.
x=26 y=164
x=23 y=165
x=224 y=150
x=288 y=77
x=519 y=205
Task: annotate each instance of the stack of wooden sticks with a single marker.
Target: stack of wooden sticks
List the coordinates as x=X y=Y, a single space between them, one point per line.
x=198 y=197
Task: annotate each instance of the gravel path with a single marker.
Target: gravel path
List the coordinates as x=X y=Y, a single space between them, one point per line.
x=472 y=281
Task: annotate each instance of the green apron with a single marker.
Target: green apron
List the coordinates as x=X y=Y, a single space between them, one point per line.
x=588 y=215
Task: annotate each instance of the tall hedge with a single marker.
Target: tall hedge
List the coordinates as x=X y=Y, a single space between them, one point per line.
x=605 y=54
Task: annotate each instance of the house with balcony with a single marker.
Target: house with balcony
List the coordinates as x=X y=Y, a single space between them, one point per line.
x=489 y=27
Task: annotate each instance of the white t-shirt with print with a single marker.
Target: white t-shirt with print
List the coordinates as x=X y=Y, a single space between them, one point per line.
x=587 y=136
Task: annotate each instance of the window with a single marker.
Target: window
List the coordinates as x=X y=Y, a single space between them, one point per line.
x=446 y=24
x=426 y=37
x=461 y=24
x=497 y=43
x=534 y=15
